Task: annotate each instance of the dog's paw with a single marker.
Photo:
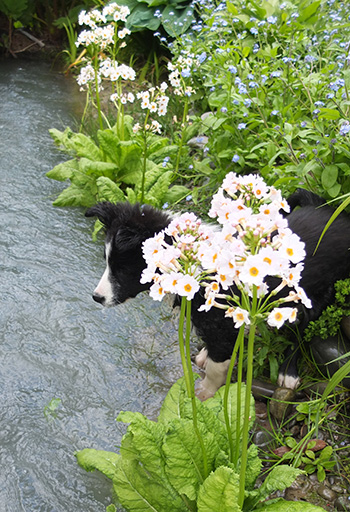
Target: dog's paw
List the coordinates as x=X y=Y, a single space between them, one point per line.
x=202 y=358
x=288 y=381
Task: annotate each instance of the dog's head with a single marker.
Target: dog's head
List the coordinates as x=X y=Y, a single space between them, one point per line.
x=127 y=227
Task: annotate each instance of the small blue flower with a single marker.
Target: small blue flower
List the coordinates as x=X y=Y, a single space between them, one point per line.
x=223 y=110
x=201 y=58
x=276 y=74
x=186 y=73
x=165 y=206
x=316 y=112
x=254 y=31
x=272 y=20
x=241 y=126
x=188 y=198
x=275 y=112
x=345 y=128
x=235 y=158
x=232 y=69
x=253 y=85
x=247 y=102
x=303 y=124
x=319 y=104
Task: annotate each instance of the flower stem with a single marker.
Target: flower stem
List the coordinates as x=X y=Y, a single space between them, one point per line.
x=233 y=451
x=192 y=394
x=181 y=143
x=245 y=430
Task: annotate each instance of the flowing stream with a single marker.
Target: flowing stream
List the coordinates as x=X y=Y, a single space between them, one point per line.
x=55 y=342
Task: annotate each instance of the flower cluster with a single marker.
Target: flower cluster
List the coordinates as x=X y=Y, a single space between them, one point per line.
x=181 y=70
x=233 y=263
x=154 y=99
x=153 y=127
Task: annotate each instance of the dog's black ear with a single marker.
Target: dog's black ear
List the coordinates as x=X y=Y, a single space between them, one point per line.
x=106 y=212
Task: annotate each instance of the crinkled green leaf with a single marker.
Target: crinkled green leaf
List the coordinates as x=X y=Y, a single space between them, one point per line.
x=107 y=190
x=83 y=146
x=177 y=23
x=108 y=141
x=144 y=443
x=106 y=462
x=278 y=479
x=63 y=171
x=138 y=491
x=184 y=465
x=141 y=17
x=75 y=196
x=216 y=403
x=129 y=157
x=219 y=492
x=157 y=192
x=175 y=193
x=95 y=168
x=174 y=402
x=290 y=506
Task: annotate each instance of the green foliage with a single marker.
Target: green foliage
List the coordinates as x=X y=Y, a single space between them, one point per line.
x=272 y=76
x=309 y=460
x=328 y=323
x=112 y=169
x=174 y=16
x=160 y=464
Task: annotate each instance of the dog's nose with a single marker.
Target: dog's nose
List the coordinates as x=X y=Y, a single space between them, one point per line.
x=98 y=298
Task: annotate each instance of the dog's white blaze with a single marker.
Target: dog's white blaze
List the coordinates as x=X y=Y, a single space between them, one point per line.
x=104 y=287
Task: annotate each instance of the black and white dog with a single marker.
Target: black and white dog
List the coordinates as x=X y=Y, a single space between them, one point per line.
x=128 y=226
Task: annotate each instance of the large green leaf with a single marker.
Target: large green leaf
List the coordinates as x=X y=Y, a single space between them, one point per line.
x=76 y=196
x=108 y=141
x=107 y=190
x=175 y=193
x=138 y=491
x=157 y=192
x=174 y=402
x=216 y=403
x=278 y=479
x=219 y=492
x=91 y=167
x=63 y=171
x=176 y=21
x=184 y=464
x=129 y=158
x=142 y=17
x=290 y=506
x=106 y=462
x=84 y=146
x=142 y=445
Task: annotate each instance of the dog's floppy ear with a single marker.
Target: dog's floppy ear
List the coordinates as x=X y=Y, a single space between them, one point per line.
x=106 y=213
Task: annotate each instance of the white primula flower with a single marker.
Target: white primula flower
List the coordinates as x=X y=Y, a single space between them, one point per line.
x=277 y=317
x=254 y=270
x=293 y=248
x=187 y=286
x=240 y=316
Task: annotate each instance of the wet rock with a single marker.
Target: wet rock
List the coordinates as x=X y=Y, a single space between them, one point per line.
x=299 y=490
x=326 y=493
x=325 y=351
x=262 y=390
x=198 y=142
x=342 y=503
x=262 y=438
x=279 y=404
x=260 y=410
x=345 y=326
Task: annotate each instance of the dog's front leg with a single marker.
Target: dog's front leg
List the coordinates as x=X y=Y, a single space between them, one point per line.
x=215 y=377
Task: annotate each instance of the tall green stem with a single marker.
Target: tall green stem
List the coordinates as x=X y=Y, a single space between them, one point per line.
x=181 y=143
x=233 y=452
x=98 y=102
x=182 y=346
x=245 y=430
x=192 y=394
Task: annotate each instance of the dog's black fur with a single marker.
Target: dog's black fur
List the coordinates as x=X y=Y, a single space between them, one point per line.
x=127 y=226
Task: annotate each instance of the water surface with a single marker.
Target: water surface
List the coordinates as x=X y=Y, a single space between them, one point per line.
x=55 y=342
